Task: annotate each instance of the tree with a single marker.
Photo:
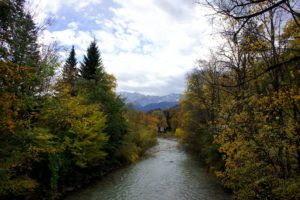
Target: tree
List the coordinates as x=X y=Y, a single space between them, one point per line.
x=141 y=135
x=18 y=34
x=98 y=87
x=50 y=138
x=70 y=70
x=199 y=115
x=243 y=11
x=251 y=104
x=92 y=63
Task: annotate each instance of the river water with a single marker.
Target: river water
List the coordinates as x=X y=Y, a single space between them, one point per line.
x=166 y=173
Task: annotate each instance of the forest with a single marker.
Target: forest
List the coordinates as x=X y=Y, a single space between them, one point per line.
x=59 y=132
x=62 y=124
x=240 y=112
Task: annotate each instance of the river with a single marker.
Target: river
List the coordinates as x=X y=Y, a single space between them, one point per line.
x=166 y=173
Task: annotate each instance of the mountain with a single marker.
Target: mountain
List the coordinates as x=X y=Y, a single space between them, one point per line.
x=155 y=106
x=148 y=102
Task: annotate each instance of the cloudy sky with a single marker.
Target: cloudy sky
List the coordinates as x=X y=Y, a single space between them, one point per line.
x=149 y=45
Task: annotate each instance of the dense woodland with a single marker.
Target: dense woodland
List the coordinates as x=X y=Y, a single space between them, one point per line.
x=59 y=132
x=240 y=113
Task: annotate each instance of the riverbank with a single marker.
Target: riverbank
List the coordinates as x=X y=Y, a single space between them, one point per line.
x=99 y=175
x=166 y=172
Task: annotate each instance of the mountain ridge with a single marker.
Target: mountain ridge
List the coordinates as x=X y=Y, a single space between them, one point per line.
x=150 y=102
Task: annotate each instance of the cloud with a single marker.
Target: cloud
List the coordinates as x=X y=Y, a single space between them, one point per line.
x=73 y=25
x=148 y=45
x=43 y=9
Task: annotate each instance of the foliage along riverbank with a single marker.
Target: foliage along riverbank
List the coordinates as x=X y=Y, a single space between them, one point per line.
x=240 y=112
x=61 y=132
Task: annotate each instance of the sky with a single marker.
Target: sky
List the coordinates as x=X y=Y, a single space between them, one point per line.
x=148 y=45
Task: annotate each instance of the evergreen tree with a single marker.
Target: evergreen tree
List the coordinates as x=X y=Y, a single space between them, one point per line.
x=99 y=88
x=18 y=34
x=70 y=70
x=92 y=63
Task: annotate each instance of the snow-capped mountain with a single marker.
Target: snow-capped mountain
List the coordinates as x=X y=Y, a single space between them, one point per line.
x=149 y=102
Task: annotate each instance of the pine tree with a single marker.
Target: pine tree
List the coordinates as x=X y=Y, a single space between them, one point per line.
x=18 y=34
x=70 y=70
x=99 y=87
x=92 y=63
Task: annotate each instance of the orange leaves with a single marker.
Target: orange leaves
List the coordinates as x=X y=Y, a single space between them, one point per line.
x=9 y=107
x=14 y=81
x=13 y=75
x=140 y=118
x=151 y=120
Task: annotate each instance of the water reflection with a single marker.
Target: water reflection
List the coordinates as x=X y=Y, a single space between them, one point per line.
x=165 y=174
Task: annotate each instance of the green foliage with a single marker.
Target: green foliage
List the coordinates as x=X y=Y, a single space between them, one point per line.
x=263 y=161
x=70 y=70
x=136 y=142
x=78 y=127
x=40 y=144
x=18 y=34
x=141 y=136
x=198 y=114
x=92 y=63
x=161 y=122
x=241 y=114
x=52 y=137
x=172 y=118
x=101 y=91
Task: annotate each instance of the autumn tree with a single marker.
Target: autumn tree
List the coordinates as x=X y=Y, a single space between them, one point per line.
x=141 y=135
x=199 y=114
x=98 y=86
x=70 y=70
x=245 y=11
x=53 y=138
x=250 y=94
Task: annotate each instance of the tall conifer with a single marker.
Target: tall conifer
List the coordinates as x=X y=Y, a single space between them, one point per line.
x=92 y=62
x=70 y=70
x=18 y=34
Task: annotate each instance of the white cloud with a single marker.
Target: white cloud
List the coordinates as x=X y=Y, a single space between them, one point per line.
x=148 y=45
x=73 y=25
x=68 y=37
x=43 y=9
x=173 y=44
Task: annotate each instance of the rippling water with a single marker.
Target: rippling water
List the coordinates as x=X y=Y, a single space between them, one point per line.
x=165 y=174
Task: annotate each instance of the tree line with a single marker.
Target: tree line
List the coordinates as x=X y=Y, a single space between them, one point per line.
x=59 y=133
x=241 y=109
